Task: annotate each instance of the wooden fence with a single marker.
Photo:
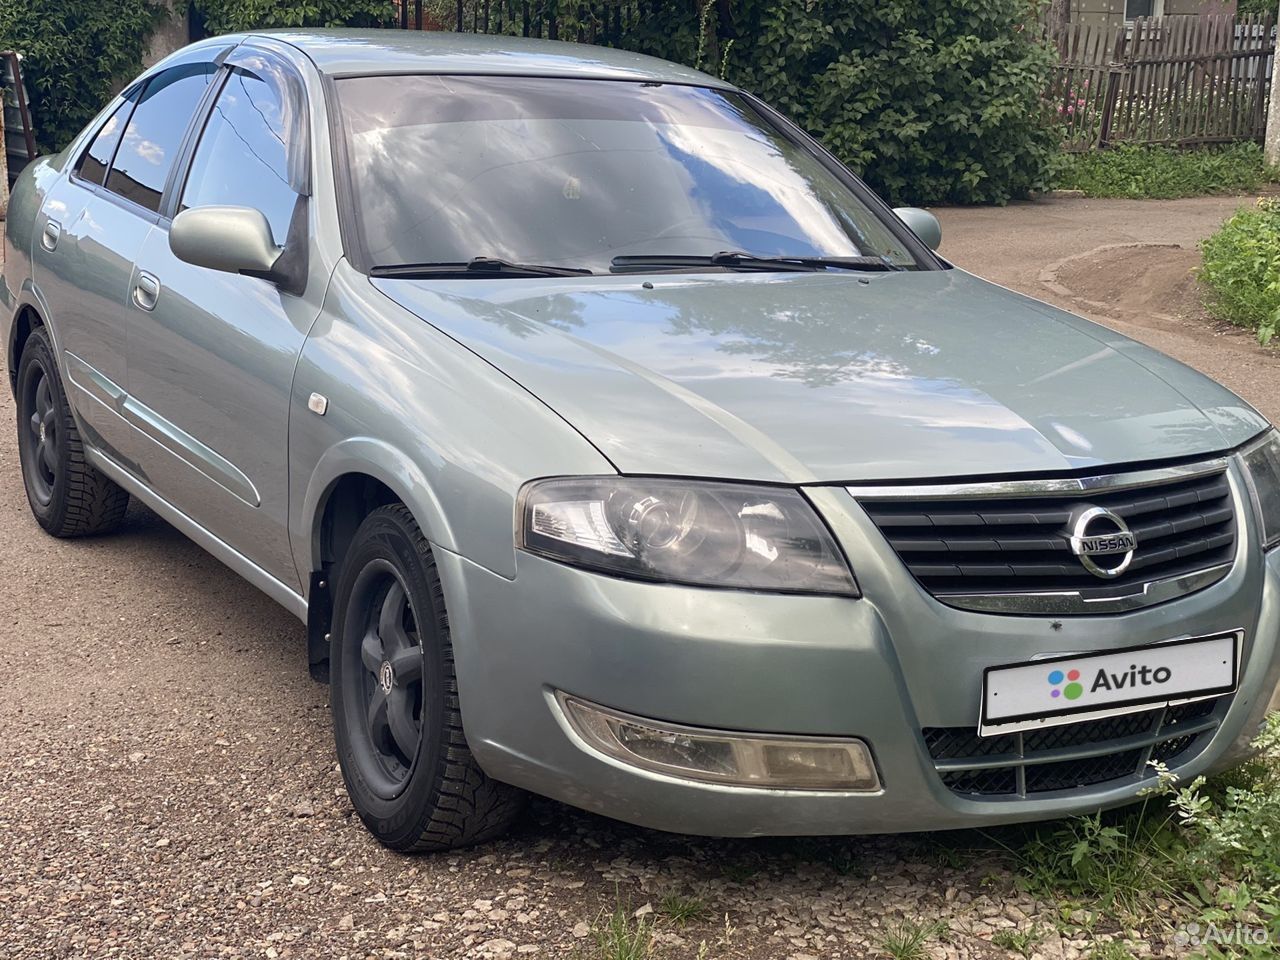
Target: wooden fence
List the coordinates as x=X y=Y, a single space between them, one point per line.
x=1174 y=80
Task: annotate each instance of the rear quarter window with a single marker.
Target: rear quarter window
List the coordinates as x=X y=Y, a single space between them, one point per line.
x=93 y=163
x=154 y=133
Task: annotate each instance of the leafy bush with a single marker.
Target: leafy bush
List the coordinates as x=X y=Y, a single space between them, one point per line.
x=228 y=16
x=929 y=102
x=75 y=55
x=1242 y=269
x=932 y=103
x=1163 y=173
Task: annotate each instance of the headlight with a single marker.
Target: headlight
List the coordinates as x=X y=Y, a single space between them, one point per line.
x=678 y=531
x=1262 y=467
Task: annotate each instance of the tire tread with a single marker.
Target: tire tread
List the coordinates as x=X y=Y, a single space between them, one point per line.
x=92 y=502
x=467 y=806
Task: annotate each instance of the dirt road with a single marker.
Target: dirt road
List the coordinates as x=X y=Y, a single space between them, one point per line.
x=168 y=788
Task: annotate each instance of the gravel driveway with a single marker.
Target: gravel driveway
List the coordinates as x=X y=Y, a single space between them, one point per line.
x=168 y=787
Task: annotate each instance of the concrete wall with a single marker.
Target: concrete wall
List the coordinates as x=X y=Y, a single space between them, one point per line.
x=171 y=35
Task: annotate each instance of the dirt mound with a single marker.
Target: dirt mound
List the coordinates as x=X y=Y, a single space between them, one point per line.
x=1148 y=284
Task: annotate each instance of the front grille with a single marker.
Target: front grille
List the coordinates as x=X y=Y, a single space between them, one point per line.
x=959 y=547
x=1083 y=754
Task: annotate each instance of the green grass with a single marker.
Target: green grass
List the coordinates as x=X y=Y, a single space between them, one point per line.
x=907 y=940
x=1207 y=852
x=1164 y=173
x=1022 y=942
x=681 y=909
x=1242 y=270
x=620 y=936
x=1111 y=950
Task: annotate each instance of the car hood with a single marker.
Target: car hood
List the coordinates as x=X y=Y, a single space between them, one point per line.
x=807 y=378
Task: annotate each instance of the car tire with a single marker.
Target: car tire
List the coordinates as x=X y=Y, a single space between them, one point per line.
x=394 y=698
x=68 y=497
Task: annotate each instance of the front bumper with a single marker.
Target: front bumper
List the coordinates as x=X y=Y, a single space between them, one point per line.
x=881 y=668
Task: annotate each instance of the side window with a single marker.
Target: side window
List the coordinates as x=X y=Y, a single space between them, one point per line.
x=93 y=163
x=241 y=159
x=154 y=133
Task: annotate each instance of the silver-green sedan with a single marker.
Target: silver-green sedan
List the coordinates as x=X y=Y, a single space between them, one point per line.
x=615 y=443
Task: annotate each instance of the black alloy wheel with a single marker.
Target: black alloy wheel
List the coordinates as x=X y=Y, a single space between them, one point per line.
x=397 y=720
x=388 y=691
x=68 y=497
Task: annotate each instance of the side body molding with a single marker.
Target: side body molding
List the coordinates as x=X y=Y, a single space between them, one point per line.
x=170 y=436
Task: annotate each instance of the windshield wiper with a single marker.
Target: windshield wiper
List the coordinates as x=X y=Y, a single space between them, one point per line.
x=736 y=260
x=476 y=267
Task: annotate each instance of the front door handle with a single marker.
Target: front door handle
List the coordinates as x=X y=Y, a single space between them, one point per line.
x=146 y=290
x=52 y=232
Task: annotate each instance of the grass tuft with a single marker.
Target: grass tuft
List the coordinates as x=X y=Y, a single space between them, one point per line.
x=907 y=939
x=620 y=936
x=1021 y=942
x=1111 y=950
x=681 y=909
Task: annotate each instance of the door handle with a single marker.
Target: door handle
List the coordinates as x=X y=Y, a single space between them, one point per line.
x=146 y=290
x=52 y=232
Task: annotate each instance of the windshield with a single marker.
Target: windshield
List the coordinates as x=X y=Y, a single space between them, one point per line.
x=575 y=173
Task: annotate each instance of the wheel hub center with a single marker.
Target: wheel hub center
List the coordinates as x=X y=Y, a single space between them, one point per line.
x=386 y=676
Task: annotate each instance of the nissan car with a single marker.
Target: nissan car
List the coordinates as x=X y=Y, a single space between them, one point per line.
x=615 y=443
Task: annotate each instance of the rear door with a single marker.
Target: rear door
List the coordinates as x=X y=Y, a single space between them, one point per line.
x=91 y=232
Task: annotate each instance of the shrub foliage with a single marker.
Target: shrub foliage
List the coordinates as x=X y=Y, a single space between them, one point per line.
x=929 y=102
x=75 y=55
x=228 y=16
x=1242 y=269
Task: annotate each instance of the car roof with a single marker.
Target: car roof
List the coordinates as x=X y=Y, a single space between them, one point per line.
x=365 y=52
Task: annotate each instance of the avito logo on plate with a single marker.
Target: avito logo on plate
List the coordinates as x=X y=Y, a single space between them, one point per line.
x=1072 y=691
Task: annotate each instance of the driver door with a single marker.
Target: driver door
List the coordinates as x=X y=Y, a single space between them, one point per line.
x=211 y=355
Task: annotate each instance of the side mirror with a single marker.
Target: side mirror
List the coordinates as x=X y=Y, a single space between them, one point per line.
x=923 y=224
x=230 y=239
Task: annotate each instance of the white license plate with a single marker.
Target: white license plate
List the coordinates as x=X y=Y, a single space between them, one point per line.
x=1056 y=690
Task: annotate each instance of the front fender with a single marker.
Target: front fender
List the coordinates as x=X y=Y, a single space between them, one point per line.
x=400 y=401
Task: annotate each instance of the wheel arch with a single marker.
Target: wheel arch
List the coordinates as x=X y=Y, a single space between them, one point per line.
x=352 y=480
x=26 y=320
x=368 y=470
x=29 y=315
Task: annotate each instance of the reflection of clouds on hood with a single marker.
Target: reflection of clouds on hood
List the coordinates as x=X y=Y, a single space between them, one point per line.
x=821 y=377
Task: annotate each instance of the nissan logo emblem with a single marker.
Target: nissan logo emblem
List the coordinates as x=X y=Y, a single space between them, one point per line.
x=1100 y=538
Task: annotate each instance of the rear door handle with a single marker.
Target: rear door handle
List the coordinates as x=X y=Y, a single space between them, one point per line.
x=146 y=290
x=52 y=232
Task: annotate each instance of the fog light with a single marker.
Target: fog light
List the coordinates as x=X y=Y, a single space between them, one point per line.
x=713 y=756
